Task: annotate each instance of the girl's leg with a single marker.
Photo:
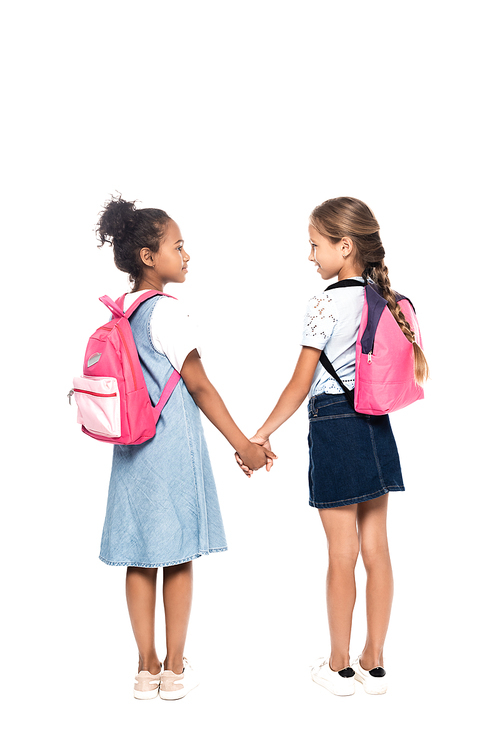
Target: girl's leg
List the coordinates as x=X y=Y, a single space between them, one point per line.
x=372 y=530
x=141 y=598
x=177 y=597
x=343 y=548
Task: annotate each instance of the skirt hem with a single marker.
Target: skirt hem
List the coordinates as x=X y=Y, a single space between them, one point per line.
x=161 y=564
x=356 y=500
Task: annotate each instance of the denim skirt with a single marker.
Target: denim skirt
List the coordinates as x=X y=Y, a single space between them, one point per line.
x=352 y=457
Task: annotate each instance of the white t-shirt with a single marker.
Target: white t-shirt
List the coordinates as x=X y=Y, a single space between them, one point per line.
x=173 y=332
x=331 y=323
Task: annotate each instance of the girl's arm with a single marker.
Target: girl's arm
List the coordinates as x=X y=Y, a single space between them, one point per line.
x=290 y=399
x=209 y=401
x=294 y=394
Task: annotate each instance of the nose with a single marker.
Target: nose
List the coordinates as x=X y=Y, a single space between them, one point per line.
x=311 y=255
x=185 y=256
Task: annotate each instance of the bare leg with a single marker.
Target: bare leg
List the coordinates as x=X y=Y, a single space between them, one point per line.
x=372 y=530
x=141 y=598
x=343 y=548
x=177 y=597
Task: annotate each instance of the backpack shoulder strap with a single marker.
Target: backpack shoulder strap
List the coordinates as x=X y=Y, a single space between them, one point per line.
x=325 y=361
x=147 y=295
x=175 y=376
x=167 y=392
x=346 y=283
x=144 y=297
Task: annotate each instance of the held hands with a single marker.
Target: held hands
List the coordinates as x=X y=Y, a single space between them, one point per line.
x=257 y=455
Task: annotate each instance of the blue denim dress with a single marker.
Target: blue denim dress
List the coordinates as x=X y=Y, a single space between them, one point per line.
x=162 y=503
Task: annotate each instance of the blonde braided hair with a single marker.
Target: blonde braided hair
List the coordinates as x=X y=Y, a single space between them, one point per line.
x=350 y=217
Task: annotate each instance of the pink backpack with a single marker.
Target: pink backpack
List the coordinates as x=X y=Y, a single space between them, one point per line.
x=111 y=396
x=385 y=378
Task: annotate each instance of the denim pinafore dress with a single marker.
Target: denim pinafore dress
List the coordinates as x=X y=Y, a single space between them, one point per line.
x=162 y=505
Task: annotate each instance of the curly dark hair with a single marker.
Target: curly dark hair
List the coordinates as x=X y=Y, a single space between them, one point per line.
x=128 y=229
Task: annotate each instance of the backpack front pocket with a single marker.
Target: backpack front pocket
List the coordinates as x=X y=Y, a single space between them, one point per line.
x=98 y=402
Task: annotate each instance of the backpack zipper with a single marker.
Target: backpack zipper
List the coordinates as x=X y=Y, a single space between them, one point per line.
x=128 y=355
x=127 y=352
x=90 y=392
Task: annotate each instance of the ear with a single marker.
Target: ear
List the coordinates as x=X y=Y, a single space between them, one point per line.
x=146 y=256
x=346 y=246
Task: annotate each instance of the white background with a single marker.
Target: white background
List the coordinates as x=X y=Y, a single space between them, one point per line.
x=238 y=119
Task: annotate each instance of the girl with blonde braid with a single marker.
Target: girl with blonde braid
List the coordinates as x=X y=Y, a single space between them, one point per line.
x=354 y=462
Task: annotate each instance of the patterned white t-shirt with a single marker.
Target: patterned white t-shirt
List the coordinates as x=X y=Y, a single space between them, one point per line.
x=331 y=323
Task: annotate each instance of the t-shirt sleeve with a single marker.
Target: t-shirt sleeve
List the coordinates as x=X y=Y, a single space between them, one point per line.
x=173 y=332
x=319 y=321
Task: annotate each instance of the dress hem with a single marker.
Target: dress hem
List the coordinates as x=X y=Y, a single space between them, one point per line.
x=161 y=564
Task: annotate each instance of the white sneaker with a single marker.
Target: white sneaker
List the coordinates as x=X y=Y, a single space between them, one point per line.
x=374 y=681
x=340 y=683
x=174 y=686
x=146 y=685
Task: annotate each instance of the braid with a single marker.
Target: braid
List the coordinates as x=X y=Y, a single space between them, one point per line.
x=380 y=275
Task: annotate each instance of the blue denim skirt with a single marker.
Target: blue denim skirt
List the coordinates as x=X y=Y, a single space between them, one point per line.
x=352 y=457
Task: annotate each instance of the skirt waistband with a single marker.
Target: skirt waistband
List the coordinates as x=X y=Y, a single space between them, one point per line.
x=326 y=399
